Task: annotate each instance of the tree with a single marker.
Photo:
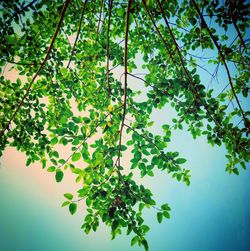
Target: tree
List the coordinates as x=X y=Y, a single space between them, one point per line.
x=67 y=95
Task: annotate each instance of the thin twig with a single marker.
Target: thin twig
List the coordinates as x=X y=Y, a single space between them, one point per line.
x=100 y=17
x=19 y=63
x=235 y=25
x=78 y=33
x=153 y=87
x=158 y=31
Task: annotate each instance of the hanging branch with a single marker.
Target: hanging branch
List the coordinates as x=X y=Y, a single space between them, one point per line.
x=183 y=63
x=158 y=31
x=40 y=68
x=125 y=89
x=235 y=24
x=110 y=5
x=178 y=51
x=223 y=60
x=78 y=33
x=100 y=17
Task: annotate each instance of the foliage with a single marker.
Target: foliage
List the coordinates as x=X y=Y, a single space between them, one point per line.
x=66 y=55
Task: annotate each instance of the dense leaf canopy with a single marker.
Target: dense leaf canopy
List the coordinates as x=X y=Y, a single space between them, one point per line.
x=67 y=94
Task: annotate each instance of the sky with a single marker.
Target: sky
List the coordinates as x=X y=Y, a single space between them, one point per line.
x=212 y=214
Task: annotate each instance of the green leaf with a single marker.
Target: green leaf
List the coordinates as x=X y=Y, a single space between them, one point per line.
x=150 y=173
x=141 y=206
x=145 y=228
x=150 y=123
x=181 y=161
x=68 y=196
x=54 y=141
x=59 y=175
x=43 y=163
x=145 y=244
x=114 y=225
x=64 y=72
x=72 y=208
x=56 y=154
x=179 y=176
x=151 y=202
x=120 y=12
x=88 y=202
x=76 y=156
x=28 y=162
x=166 y=214
x=165 y=127
x=65 y=203
x=236 y=171
x=12 y=39
x=165 y=207
x=105 y=217
x=51 y=169
x=76 y=142
x=123 y=148
x=145 y=152
x=159 y=217
x=134 y=240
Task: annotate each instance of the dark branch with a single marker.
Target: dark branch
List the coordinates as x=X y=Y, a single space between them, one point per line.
x=125 y=88
x=100 y=17
x=78 y=33
x=222 y=58
x=40 y=68
x=108 y=45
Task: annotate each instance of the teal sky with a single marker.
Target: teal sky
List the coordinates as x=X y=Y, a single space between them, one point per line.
x=212 y=214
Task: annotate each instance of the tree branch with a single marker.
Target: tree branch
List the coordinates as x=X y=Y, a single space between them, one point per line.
x=78 y=33
x=157 y=30
x=108 y=45
x=40 y=68
x=196 y=93
x=223 y=60
x=235 y=25
x=125 y=89
x=100 y=17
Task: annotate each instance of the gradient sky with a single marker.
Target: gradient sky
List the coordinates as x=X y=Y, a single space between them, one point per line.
x=212 y=214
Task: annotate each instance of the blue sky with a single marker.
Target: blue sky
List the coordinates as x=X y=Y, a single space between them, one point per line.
x=212 y=214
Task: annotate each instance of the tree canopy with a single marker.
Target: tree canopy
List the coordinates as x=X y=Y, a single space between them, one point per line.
x=67 y=95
